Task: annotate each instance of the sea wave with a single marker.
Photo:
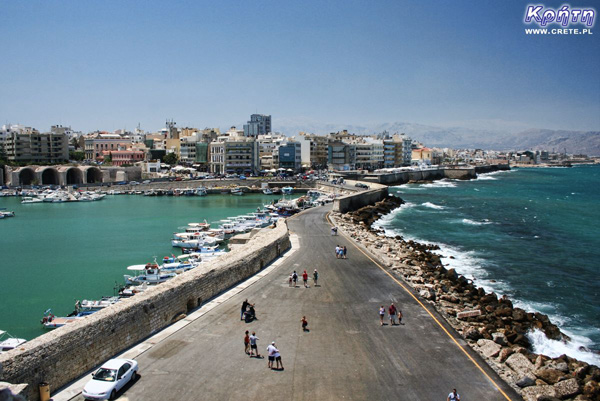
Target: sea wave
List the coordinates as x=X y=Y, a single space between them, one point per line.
x=445 y=183
x=433 y=206
x=472 y=266
x=576 y=348
x=388 y=218
x=475 y=223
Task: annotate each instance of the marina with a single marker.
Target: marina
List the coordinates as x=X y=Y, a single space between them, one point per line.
x=88 y=245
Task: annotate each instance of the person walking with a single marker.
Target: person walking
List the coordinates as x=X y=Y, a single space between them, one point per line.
x=344 y=251
x=315 y=276
x=253 y=346
x=278 y=360
x=290 y=280
x=392 y=313
x=304 y=323
x=381 y=314
x=305 y=279
x=271 y=355
x=244 y=306
x=247 y=343
x=295 y=277
x=399 y=316
x=337 y=251
x=453 y=396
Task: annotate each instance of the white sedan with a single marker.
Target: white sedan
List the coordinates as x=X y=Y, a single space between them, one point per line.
x=109 y=379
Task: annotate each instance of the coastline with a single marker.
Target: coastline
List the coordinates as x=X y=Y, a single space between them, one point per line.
x=492 y=326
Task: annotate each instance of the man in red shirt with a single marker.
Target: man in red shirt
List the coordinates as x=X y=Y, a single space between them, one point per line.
x=305 y=278
x=392 y=312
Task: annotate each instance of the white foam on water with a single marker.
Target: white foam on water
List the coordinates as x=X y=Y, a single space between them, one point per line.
x=433 y=206
x=445 y=183
x=388 y=218
x=484 y=177
x=475 y=223
x=576 y=348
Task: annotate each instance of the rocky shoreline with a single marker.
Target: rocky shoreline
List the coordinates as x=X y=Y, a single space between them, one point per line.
x=491 y=325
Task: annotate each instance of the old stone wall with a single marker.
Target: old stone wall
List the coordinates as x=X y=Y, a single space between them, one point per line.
x=64 y=354
x=357 y=200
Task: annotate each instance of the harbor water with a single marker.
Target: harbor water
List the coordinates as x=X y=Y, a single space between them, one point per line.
x=532 y=234
x=56 y=253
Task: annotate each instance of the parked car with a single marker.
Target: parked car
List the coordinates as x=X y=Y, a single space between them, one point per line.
x=361 y=185
x=242 y=177
x=146 y=182
x=178 y=179
x=112 y=376
x=134 y=183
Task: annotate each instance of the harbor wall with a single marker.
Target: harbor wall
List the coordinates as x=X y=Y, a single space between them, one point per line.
x=66 y=353
x=456 y=173
x=349 y=203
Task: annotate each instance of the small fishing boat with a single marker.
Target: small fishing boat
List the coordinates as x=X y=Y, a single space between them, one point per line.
x=8 y=342
x=49 y=321
x=96 y=304
x=267 y=191
x=201 y=192
x=4 y=213
x=287 y=190
x=150 y=273
x=237 y=191
x=198 y=226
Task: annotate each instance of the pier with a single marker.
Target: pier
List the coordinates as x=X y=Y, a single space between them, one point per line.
x=345 y=355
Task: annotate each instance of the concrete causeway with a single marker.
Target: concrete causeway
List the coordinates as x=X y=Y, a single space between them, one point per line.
x=345 y=355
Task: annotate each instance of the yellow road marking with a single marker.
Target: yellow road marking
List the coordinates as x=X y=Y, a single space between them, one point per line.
x=428 y=312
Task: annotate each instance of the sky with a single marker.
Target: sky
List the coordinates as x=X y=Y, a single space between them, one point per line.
x=106 y=65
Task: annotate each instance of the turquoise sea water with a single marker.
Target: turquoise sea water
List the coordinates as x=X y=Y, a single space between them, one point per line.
x=533 y=234
x=54 y=254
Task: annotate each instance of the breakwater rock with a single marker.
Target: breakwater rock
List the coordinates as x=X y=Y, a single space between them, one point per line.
x=367 y=215
x=491 y=325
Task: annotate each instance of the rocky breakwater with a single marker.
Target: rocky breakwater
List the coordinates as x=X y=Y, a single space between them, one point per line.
x=490 y=324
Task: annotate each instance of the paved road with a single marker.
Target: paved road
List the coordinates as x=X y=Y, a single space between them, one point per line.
x=346 y=355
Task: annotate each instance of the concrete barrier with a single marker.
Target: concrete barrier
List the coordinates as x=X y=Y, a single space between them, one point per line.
x=357 y=200
x=64 y=354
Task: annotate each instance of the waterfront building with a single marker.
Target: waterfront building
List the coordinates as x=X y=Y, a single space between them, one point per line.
x=120 y=157
x=397 y=151
x=234 y=155
x=194 y=151
x=422 y=156
x=268 y=148
x=369 y=153
x=319 y=149
x=259 y=124
x=290 y=156
x=106 y=142
x=26 y=144
x=304 y=149
x=341 y=156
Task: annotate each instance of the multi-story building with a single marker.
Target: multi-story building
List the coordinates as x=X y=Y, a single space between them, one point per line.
x=194 y=151
x=26 y=144
x=108 y=142
x=319 y=150
x=235 y=155
x=268 y=150
x=369 y=153
x=397 y=151
x=422 y=156
x=259 y=124
x=120 y=157
x=341 y=156
x=290 y=156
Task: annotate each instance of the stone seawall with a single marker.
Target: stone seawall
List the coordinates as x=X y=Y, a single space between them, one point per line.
x=357 y=200
x=64 y=354
x=457 y=173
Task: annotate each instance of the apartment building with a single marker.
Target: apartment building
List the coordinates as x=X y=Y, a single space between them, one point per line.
x=26 y=144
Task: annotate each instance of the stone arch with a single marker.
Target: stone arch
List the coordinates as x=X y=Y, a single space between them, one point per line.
x=50 y=176
x=93 y=175
x=26 y=176
x=74 y=176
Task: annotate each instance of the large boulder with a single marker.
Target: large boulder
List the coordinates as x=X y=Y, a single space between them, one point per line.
x=534 y=393
x=489 y=348
x=520 y=364
x=526 y=381
x=549 y=375
x=567 y=388
x=499 y=338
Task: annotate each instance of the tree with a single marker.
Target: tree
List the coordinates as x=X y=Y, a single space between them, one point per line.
x=76 y=155
x=75 y=143
x=171 y=159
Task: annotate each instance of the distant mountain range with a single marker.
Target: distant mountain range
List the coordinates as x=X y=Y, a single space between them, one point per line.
x=575 y=142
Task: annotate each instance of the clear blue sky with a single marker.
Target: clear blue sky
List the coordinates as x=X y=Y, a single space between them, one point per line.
x=111 y=64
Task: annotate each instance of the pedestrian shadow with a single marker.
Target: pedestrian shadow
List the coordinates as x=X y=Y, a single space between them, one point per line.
x=306 y=330
x=277 y=369
x=257 y=357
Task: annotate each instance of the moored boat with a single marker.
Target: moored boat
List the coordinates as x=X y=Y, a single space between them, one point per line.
x=8 y=342
x=150 y=273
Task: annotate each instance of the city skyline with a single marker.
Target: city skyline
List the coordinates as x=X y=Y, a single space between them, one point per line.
x=111 y=66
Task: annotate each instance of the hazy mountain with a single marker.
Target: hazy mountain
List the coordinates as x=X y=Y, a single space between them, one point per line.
x=460 y=137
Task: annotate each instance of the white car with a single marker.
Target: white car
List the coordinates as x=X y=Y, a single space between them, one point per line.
x=109 y=379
